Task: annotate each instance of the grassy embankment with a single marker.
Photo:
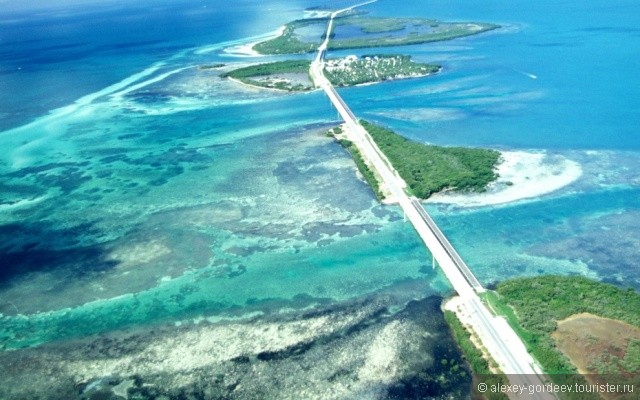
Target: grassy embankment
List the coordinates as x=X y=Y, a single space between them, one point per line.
x=429 y=169
x=365 y=171
x=479 y=366
x=533 y=306
x=401 y=32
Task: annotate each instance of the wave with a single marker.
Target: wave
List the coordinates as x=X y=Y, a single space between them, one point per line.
x=147 y=82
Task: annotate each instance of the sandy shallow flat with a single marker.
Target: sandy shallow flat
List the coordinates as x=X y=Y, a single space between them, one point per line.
x=523 y=175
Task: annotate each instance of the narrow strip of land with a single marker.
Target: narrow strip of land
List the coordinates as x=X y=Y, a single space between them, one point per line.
x=496 y=335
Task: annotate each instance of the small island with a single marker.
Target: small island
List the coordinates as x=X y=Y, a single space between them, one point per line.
x=356 y=31
x=289 y=75
x=293 y=75
x=426 y=169
x=205 y=67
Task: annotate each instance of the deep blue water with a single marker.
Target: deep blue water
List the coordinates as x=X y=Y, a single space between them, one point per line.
x=584 y=97
x=52 y=54
x=174 y=194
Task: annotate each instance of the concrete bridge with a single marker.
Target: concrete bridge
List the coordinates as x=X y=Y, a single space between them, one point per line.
x=496 y=335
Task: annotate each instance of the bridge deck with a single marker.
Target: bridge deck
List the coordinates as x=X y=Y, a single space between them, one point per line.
x=495 y=334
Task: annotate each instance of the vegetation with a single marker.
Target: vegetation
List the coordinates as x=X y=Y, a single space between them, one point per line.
x=274 y=75
x=493 y=300
x=379 y=25
x=631 y=360
x=611 y=364
x=366 y=172
x=341 y=72
x=335 y=131
x=288 y=42
x=478 y=364
x=366 y=69
x=210 y=66
x=409 y=31
x=540 y=302
x=399 y=32
x=363 y=168
x=269 y=69
x=429 y=169
x=533 y=306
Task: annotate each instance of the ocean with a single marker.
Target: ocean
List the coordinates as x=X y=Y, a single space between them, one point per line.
x=148 y=206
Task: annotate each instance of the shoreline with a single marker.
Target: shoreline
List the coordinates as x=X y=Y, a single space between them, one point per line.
x=395 y=79
x=385 y=195
x=256 y=87
x=246 y=50
x=314 y=89
x=456 y=305
x=522 y=175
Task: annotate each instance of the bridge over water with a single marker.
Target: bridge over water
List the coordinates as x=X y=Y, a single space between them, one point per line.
x=496 y=335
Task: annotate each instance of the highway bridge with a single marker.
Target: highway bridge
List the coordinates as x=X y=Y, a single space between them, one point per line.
x=496 y=335
x=451 y=251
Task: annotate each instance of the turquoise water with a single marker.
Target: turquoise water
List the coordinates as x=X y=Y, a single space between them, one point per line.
x=137 y=190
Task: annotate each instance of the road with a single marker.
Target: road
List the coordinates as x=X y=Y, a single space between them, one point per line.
x=460 y=264
x=496 y=335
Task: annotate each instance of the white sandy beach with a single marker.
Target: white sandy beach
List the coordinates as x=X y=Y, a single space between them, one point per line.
x=523 y=175
x=246 y=50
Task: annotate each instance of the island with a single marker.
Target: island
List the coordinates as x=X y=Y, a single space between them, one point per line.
x=356 y=31
x=353 y=70
x=581 y=331
x=427 y=169
x=205 y=67
x=293 y=75
x=289 y=75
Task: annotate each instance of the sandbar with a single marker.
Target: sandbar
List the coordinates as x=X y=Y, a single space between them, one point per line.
x=246 y=50
x=523 y=175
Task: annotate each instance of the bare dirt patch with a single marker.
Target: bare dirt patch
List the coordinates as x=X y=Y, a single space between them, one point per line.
x=597 y=345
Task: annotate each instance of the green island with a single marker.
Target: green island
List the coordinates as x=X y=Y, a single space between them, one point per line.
x=289 y=42
x=210 y=66
x=293 y=75
x=575 y=328
x=290 y=75
x=305 y=35
x=428 y=169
